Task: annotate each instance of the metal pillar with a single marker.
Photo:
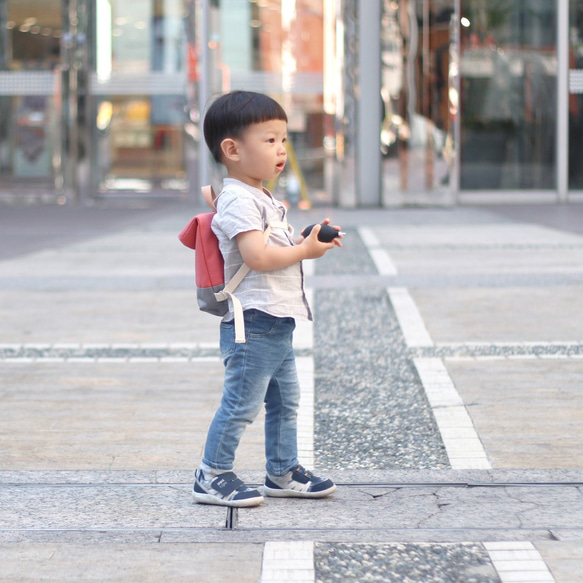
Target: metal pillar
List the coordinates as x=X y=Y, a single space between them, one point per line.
x=563 y=102
x=368 y=173
x=204 y=92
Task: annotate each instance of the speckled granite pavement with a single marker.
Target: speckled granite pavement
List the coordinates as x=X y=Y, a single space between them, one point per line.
x=446 y=365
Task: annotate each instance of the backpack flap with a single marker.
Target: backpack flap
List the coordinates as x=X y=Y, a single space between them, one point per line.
x=188 y=234
x=209 y=262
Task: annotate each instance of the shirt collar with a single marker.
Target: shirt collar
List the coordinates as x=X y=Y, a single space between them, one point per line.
x=247 y=187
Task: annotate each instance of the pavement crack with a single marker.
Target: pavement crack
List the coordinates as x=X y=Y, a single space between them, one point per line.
x=523 y=507
x=439 y=505
x=375 y=495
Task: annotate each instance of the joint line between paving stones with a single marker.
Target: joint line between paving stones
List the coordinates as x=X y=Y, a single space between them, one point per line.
x=395 y=485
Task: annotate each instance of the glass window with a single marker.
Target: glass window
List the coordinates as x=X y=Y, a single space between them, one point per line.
x=29 y=52
x=508 y=71
x=416 y=131
x=277 y=47
x=139 y=103
x=575 y=95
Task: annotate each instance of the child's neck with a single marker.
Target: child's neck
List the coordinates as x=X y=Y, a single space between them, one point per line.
x=258 y=184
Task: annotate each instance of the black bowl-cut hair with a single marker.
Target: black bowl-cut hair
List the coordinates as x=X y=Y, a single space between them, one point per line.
x=233 y=112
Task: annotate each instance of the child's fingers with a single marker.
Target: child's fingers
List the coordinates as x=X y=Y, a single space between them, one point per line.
x=327 y=220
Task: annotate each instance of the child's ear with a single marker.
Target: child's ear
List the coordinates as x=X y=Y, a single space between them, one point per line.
x=229 y=149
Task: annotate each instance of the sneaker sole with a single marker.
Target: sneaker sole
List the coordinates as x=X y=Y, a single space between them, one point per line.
x=210 y=499
x=280 y=493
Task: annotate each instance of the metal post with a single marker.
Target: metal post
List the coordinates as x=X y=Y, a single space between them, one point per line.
x=454 y=73
x=3 y=36
x=563 y=101
x=368 y=180
x=204 y=85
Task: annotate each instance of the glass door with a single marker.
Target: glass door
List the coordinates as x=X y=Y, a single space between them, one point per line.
x=137 y=89
x=418 y=114
x=508 y=113
x=30 y=96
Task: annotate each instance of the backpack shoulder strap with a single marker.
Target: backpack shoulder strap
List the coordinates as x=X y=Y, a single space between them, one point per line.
x=228 y=292
x=209 y=196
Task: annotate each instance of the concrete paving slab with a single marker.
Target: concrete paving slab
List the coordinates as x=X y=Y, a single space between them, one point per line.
x=490 y=235
x=527 y=413
x=126 y=254
x=470 y=509
x=112 y=507
x=128 y=416
x=165 y=507
x=152 y=563
x=508 y=314
x=81 y=316
x=564 y=559
x=544 y=260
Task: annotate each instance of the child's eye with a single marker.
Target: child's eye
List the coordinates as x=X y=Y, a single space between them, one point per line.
x=271 y=140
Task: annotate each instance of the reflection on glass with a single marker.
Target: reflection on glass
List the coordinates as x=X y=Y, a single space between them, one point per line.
x=575 y=95
x=30 y=51
x=508 y=96
x=139 y=105
x=140 y=143
x=277 y=47
x=416 y=131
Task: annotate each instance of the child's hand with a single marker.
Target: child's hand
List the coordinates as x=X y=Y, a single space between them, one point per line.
x=336 y=241
x=326 y=233
x=315 y=248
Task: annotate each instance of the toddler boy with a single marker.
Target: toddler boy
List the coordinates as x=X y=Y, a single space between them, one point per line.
x=247 y=132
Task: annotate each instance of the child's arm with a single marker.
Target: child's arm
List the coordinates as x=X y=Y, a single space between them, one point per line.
x=261 y=257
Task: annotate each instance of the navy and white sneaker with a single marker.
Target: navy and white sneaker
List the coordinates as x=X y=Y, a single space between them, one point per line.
x=226 y=489
x=299 y=483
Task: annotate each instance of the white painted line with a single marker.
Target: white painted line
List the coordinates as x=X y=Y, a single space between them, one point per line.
x=66 y=346
x=191 y=345
x=124 y=346
x=518 y=562
x=305 y=368
x=462 y=443
x=378 y=254
x=410 y=320
x=287 y=562
x=171 y=359
x=112 y=360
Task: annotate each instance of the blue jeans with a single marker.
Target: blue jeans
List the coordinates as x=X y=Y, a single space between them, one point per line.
x=262 y=370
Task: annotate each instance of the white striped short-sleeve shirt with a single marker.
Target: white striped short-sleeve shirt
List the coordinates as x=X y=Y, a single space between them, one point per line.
x=242 y=208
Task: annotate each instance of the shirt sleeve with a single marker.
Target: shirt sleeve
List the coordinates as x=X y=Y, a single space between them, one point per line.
x=238 y=213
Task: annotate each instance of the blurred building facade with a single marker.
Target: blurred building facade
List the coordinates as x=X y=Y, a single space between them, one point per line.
x=390 y=102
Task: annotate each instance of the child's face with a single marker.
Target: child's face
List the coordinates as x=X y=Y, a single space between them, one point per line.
x=261 y=152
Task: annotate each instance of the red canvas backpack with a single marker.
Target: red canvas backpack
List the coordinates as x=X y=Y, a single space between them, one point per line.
x=211 y=290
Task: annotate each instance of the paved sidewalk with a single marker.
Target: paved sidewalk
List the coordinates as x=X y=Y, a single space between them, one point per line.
x=442 y=390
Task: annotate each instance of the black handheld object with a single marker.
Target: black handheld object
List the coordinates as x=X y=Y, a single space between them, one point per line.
x=326 y=234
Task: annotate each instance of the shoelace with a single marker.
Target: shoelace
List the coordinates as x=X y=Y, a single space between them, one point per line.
x=305 y=472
